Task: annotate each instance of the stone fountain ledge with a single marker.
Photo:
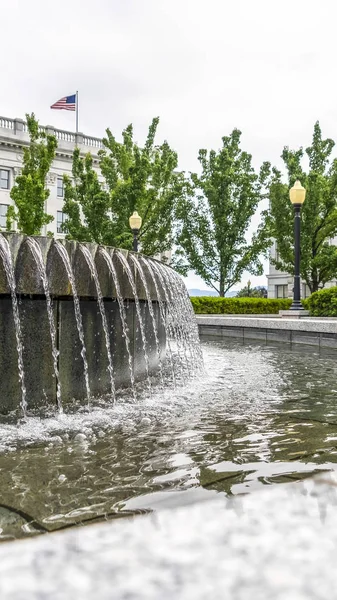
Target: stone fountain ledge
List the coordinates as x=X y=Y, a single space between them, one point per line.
x=275 y=544
x=28 y=279
x=310 y=331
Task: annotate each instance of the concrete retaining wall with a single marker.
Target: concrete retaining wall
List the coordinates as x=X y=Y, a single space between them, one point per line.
x=313 y=332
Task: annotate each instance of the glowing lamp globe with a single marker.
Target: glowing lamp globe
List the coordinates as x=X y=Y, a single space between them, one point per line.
x=297 y=193
x=135 y=221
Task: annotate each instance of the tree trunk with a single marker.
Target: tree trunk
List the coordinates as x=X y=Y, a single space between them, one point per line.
x=313 y=286
x=222 y=286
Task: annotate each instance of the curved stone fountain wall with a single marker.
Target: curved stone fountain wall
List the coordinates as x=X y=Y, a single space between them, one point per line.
x=39 y=365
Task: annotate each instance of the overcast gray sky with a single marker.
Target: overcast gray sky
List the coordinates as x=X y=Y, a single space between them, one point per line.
x=267 y=67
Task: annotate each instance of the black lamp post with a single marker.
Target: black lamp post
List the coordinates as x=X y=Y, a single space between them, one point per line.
x=135 y=225
x=297 y=197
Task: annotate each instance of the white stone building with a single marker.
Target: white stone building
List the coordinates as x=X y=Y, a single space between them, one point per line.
x=13 y=137
x=280 y=285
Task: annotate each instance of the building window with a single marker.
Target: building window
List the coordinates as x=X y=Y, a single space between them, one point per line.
x=60 y=188
x=60 y=220
x=281 y=291
x=4 y=179
x=3 y=215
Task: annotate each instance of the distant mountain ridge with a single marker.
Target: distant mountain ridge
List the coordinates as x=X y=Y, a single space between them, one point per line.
x=196 y=292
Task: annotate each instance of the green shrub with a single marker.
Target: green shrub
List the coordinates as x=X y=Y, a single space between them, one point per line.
x=211 y=305
x=323 y=303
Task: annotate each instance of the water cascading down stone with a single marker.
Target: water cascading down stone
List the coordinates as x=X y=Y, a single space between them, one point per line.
x=64 y=255
x=36 y=250
x=139 y=269
x=5 y=254
x=164 y=316
x=131 y=279
x=108 y=258
x=85 y=321
x=94 y=274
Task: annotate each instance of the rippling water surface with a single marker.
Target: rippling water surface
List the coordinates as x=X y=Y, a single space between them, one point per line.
x=260 y=416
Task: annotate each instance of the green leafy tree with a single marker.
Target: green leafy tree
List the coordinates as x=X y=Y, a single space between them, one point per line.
x=252 y=292
x=318 y=213
x=142 y=179
x=215 y=216
x=86 y=204
x=29 y=192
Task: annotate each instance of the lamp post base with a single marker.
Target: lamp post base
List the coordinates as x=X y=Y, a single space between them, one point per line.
x=293 y=313
x=296 y=305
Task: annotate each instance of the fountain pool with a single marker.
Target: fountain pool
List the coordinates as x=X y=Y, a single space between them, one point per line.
x=259 y=416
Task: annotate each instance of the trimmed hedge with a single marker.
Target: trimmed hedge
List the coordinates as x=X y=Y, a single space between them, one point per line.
x=323 y=303
x=213 y=305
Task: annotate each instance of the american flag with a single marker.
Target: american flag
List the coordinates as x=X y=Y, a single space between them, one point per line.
x=66 y=103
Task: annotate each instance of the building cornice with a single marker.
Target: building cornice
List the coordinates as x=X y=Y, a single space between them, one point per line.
x=14 y=133
x=60 y=152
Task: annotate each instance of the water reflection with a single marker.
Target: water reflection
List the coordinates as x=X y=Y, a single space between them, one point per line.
x=262 y=415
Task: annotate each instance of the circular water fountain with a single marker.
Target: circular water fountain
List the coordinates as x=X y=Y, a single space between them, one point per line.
x=100 y=352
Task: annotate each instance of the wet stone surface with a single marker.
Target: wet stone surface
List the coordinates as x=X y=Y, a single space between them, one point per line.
x=279 y=544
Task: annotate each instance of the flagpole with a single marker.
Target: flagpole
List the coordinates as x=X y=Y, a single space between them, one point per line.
x=76 y=112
